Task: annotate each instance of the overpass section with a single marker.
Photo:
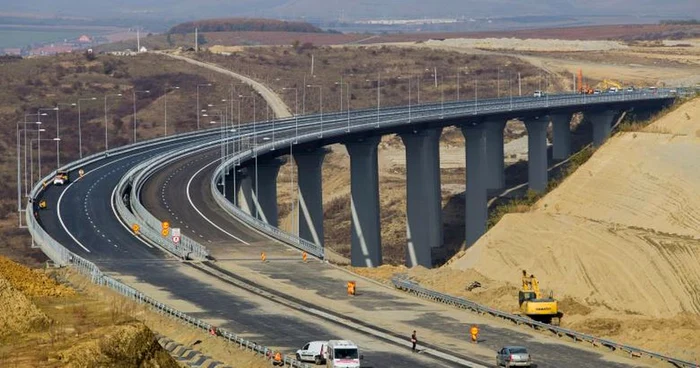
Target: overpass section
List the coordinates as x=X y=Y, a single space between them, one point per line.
x=482 y=126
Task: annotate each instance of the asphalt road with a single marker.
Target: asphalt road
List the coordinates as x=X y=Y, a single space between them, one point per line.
x=167 y=194
x=85 y=223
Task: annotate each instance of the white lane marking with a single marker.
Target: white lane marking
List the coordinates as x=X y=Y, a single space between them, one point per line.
x=60 y=198
x=189 y=198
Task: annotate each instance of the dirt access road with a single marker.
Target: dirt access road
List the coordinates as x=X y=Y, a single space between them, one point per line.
x=280 y=109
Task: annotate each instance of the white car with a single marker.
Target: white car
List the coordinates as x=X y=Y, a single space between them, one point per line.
x=539 y=94
x=313 y=351
x=61 y=178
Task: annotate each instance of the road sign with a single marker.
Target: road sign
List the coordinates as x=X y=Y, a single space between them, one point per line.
x=165 y=225
x=175 y=231
x=164 y=232
x=135 y=227
x=176 y=239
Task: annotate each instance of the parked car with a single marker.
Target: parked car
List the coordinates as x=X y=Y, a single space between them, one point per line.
x=513 y=356
x=597 y=91
x=539 y=94
x=313 y=351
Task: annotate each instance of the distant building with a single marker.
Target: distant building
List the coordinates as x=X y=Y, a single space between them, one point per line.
x=12 y=51
x=143 y=49
x=51 y=50
x=84 y=39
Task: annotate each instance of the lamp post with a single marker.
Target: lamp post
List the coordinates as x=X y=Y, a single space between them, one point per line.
x=19 y=167
x=58 y=134
x=39 y=131
x=31 y=152
x=80 y=129
x=320 y=102
x=200 y=85
x=296 y=111
x=347 y=87
x=106 y=142
x=133 y=94
x=26 y=149
x=165 y=109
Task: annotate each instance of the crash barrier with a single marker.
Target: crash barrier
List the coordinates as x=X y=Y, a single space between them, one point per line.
x=413 y=288
x=339 y=124
x=55 y=251
x=61 y=256
x=128 y=190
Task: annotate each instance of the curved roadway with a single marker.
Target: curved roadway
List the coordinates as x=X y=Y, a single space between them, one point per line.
x=85 y=223
x=181 y=192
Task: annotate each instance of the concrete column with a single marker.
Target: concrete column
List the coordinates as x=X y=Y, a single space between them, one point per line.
x=602 y=125
x=537 y=153
x=310 y=181
x=495 y=167
x=561 y=132
x=364 y=186
x=245 y=201
x=261 y=199
x=423 y=196
x=228 y=189
x=477 y=179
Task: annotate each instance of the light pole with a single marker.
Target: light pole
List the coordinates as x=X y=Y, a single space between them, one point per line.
x=80 y=130
x=320 y=102
x=165 y=110
x=133 y=94
x=296 y=111
x=106 y=142
x=31 y=152
x=200 y=85
x=58 y=134
x=19 y=167
x=39 y=133
x=26 y=148
x=347 y=88
x=498 y=83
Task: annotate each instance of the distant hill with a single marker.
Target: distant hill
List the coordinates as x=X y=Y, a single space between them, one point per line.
x=244 y=25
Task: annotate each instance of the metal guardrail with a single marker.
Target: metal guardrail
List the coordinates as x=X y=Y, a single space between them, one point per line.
x=63 y=257
x=413 y=288
x=366 y=119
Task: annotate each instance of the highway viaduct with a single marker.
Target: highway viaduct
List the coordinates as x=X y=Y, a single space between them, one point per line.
x=253 y=183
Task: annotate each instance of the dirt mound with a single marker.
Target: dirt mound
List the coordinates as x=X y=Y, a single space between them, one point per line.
x=127 y=345
x=32 y=283
x=17 y=313
x=618 y=242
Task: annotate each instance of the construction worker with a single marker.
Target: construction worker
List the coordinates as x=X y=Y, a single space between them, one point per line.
x=278 y=359
x=414 y=341
x=474 y=332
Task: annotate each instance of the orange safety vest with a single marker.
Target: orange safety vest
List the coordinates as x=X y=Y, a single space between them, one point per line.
x=278 y=357
x=474 y=331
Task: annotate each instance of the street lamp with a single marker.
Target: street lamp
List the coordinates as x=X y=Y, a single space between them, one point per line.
x=165 y=111
x=296 y=111
x=26 y=148
x=19 y=167
x=320 y=102
x=200 y=85
x=106 y=96
x=31 y=153
x=133 y=93
x=80 y=131
x=347 y=87
x=39 y=131
x=58 y=134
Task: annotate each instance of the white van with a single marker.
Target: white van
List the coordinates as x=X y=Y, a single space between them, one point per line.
x=343 y=354
x=313 y=351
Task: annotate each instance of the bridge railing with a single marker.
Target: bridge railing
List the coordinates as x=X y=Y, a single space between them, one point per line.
x=415 y=289
x=61 y=256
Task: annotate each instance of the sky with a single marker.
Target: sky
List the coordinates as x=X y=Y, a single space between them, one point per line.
x=179 y=10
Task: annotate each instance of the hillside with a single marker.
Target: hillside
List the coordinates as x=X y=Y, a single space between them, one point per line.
x=244 y=25
x=621 y=236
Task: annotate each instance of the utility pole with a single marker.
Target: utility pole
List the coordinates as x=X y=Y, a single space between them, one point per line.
x=196 y=40
x=138 y=40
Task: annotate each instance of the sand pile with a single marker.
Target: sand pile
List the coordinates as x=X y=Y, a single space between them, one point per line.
x=127 y=345
x=517 y=44
x=618 y=242
x=17 y=313
x=32 y=283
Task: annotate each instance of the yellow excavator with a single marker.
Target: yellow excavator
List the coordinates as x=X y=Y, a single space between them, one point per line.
x=609 y=85
x=533 y=305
